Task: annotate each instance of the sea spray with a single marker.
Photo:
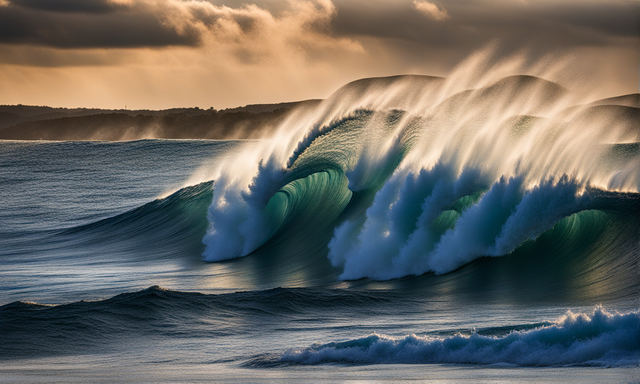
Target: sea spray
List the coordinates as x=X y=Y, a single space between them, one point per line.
x=519 y=150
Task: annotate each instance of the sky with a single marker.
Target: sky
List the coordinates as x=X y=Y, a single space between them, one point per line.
x=156 y=54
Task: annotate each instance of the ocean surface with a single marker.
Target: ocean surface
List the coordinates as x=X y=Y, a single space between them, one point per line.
x=408 y=229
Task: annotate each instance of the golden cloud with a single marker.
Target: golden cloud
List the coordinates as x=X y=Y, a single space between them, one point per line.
x=431 y=10
x=252 y=34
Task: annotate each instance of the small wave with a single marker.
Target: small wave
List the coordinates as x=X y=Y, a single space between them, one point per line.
x=33 y=329
x=598 y=339
x=28 y=328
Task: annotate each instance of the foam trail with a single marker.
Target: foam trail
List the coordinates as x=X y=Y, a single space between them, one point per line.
x=597 y=339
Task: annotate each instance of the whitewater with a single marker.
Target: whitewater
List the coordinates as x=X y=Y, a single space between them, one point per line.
x=482 y=226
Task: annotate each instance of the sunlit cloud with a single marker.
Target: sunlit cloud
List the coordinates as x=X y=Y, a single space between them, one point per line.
x=431 y=10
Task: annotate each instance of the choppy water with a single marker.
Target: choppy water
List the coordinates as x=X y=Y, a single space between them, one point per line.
x=369 y=240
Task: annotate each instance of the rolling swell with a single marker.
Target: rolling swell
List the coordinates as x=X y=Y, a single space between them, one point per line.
x=31 y=329
x=163 y=225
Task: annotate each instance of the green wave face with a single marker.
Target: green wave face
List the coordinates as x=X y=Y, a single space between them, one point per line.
x=311 y=204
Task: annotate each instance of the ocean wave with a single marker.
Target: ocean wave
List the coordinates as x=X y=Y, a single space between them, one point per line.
x=375 y=185
x=177 y=221
x=34 y=329
x=414 y=227
x=597 y=339
x=386 y=187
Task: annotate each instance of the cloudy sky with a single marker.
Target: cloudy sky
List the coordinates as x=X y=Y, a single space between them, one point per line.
x=174 y=53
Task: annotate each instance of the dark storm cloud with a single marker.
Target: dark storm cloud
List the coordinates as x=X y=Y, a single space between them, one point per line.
x=151 y=23
x=472 y=23
x=465 y=25
x=621 y=19
x=88 y=24
x=70 y=6
x=103 y=32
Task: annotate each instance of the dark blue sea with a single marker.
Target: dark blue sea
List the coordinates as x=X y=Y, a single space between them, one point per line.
x=399 y=232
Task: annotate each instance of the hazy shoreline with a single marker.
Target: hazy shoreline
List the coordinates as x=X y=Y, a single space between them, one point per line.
x=22 y=122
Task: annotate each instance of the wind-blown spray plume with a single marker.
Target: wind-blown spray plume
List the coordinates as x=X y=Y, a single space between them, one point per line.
x=416 y=174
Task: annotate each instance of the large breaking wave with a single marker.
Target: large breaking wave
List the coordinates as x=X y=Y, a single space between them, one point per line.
x=416 y=176
x=406 y=175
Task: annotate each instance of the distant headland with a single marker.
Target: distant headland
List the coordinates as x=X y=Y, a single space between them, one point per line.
x=25 y=122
